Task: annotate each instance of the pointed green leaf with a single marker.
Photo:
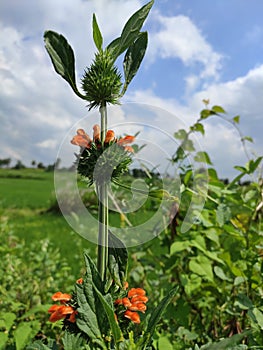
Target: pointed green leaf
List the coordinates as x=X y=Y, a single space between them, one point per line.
x=202 y=267
x=247 y=138
x=236 y=119
x=130 y=31
x=118 y=259
x=97 y=37
x=198 y=127
x=154 y=319
x=218 y=109
x=62 y=57
x=133 y=58
x=202 y=157
x=205 y=113
x=107 y=304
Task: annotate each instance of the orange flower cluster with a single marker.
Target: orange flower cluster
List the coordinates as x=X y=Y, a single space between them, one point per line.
x=59 y=312
x=83 y=140
x=135 y=301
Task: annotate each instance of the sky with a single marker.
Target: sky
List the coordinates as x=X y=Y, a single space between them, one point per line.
x=197 y=50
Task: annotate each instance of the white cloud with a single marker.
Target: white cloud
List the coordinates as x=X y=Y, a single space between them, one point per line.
x=179 y=37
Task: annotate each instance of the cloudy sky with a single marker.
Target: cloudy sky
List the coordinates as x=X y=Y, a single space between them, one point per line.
x=197 y=50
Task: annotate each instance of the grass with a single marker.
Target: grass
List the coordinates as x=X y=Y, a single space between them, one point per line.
x=25 y=196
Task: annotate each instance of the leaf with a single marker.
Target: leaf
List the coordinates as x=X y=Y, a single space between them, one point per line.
x=97 y=37
x=202 y=157
x=198 y=127
x=227 y=344
x=6 y=320
x=118 y=259
x=202 y=267
x=205 y=113
x=253 y=164
x=109 y=310
x=38 y=345
x=223 y=214
x=133 y=58
x=164 y=343
x=180 y=134
x=22 y=334
x=247 y=138
x=243 y=302
x=62 y=57
x=72 y=341
x=130 y=31
x=218 y=109
x=236 y=119
x=178 y=246
x=154 y=319
x=86 y=319
x=221 y=274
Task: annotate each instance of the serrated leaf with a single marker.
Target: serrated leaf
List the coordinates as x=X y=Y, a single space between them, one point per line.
x=133 y=58
x=154 y=319
x=130 y=31
x=218 y=109
x=62 y=57
x=87 y=319
x=97 y=37
x=118 y=259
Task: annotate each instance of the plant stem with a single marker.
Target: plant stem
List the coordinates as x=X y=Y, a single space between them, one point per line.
x=102 y=190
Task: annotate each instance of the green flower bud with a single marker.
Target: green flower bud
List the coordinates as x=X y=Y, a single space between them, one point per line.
x=102 y=81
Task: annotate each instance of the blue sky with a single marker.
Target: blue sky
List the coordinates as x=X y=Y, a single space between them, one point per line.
x=197 y=49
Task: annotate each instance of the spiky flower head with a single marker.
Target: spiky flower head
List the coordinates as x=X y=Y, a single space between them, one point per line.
x=102 y=81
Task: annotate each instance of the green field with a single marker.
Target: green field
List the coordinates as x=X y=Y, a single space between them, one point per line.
x=25 y=197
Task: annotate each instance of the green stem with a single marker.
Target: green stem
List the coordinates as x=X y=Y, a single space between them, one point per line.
x=102 y=191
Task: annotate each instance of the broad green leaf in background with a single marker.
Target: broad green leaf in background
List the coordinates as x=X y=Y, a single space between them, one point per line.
x=133 y=58
x=202 y=157
x=25 y=332
x=62 y=57
x=97 y=37
x=154 y=319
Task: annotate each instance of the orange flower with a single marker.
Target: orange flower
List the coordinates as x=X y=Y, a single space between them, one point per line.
x=80 y=281
x=110 y=136
x=133 y=316
x=125 y=285
x=96 y=132
x=134 y=292
x=58 y=312
x=126 y=140
x=81 y=139
x=139 y=299
x=138 y=307
x=126 y=302
x=62 y=297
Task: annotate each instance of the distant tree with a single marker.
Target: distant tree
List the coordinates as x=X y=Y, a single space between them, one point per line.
x=33 y=163
x=40 y=165
x=5 y=162
x=19 y=165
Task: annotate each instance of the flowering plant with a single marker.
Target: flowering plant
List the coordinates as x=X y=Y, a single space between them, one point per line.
x=102 y=313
